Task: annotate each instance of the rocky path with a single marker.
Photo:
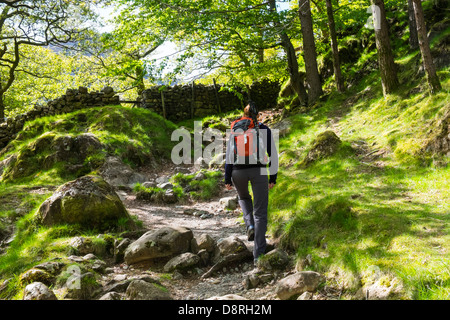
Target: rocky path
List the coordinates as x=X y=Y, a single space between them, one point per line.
x=214 y=221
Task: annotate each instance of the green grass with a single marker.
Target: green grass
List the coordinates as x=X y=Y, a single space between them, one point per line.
x=136 y=135
x=203 y=189
x=351 y=214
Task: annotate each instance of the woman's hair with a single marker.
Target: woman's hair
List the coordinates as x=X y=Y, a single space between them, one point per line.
x=251 y=110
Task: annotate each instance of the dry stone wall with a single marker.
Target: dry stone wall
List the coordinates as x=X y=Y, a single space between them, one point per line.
x=189 y=101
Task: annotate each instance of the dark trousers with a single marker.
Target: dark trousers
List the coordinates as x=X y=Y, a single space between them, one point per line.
x=255 y=212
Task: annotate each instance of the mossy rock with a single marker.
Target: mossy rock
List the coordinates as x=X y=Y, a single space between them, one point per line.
x=274 y=260
x=142 y=290
x=49 y=149
x=88 y=201
x=326 y=144
x=36 y=275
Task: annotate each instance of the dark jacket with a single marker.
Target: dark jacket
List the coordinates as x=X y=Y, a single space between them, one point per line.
x=271 y=152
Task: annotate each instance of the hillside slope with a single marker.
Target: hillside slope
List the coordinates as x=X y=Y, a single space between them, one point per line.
x=376 y=213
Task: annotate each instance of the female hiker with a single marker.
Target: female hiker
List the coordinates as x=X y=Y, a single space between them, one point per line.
x=248 y=146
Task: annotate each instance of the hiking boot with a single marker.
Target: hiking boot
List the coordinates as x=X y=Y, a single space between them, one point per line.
x=250 y=233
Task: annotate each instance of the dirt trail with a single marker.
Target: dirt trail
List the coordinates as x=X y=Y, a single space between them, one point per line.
x=218 y=224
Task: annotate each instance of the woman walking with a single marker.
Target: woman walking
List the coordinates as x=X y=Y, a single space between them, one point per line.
x=246 y=161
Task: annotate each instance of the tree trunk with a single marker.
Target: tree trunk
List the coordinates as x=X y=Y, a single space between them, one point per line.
x=296 y=79
x=309 y=51
x=388 y=70
x=424 y=46
x=413 y=38
x=261 y=55
x=140 y=85
x=334 y=47
x=2 y=109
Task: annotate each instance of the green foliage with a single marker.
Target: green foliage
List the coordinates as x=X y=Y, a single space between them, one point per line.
x=185 y=186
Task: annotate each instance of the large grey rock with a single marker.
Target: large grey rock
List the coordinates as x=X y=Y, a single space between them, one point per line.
x=52 y=267
x=164 y=242
x=36 y=275
x=38 y=291
x=142 y=290
x=231 y=245
x=82 y=245
x=117 y=173
x=298 y=283
x=324 y=145
x=182 y=261
x=273 y=260
x=203 y=241
x=229 y=203
x=88 y=201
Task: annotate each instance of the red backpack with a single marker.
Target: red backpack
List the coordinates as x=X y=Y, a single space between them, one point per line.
x=246 y=144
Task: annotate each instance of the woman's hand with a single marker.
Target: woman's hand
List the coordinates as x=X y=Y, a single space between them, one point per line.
x=271 y=185
x=228 y=186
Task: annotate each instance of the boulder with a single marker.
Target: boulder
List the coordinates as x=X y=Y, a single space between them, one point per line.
x=183 y=261
x=88 y=201
x=203 y=241
x=273 y=260
x=49 y=149
x=38 y=291
x=254 y=279
x=52 y=267
x=71 y=150
x=82 y=245
x=117 y=173
x=108 y=91
x=36 y=275
x=298 y=283
x=163 y=242
x=231 y=245
x=326 y=144
x=229 y=203
x=142 y=290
